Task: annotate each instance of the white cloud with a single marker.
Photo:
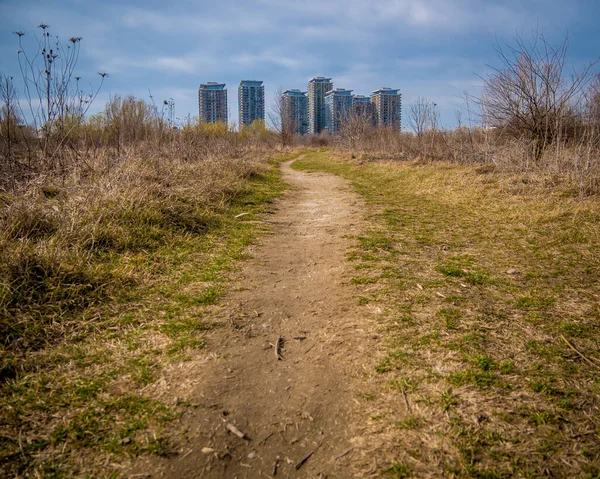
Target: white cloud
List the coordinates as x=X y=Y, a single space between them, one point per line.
x=449 y=15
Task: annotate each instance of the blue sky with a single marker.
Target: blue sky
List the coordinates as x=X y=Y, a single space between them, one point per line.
x=431 y=48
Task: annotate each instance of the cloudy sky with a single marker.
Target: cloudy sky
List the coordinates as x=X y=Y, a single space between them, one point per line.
x=431 y=48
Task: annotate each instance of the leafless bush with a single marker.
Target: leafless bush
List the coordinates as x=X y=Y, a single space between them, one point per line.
x=130 y=120
x=9 y=122
x=56 y=102
x=419 y=116
x=530 y=96
x=282 y=120
x=53 y=106
x=356 y=129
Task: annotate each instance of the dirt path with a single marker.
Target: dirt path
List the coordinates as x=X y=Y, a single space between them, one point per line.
x=303 y=406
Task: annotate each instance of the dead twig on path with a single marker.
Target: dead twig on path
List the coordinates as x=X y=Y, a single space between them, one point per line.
x=303 y=461
x=586 y=359
x=405 y=400
x=313 y=345
x=339 y=456
x=187 y=454
x=278 y=346
x=264 y=441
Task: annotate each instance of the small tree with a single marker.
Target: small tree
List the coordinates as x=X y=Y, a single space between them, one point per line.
x=57 y=105
x=130 y=120
x=281 y=120
x=356 y=127
x=529 y=95
x=9 y=121
x=419 y=115
x=593 y=101
x=424 y=116
x=590 y=114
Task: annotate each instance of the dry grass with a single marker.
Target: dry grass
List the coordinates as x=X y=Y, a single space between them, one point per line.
x=479 y=275
x=106 y=274
x=572 y=165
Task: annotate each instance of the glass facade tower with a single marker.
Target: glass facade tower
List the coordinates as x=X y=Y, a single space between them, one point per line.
x=317 y=88
x=294 y=111
x=251 y=101
x=338 y=106
x=387 y=107
x=212 y=102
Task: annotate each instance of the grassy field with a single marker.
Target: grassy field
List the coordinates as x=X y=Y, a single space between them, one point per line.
x=488 y=285
x=485 y=285
x=106 y=282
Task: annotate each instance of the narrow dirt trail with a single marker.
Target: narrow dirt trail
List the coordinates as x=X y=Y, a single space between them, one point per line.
x=295 y=288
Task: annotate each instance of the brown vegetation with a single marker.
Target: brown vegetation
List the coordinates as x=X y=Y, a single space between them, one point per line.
x=110 y=221
x=485 y=285
x=85 y=252
x=531 y=118
x=115 y=229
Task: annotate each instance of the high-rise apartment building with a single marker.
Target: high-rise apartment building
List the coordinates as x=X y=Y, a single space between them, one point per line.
x=338 y=106
x=317 y=88
x=362 y=107
x=212 y=102
x=294 y=111
x=251 y=101
x=387 y=107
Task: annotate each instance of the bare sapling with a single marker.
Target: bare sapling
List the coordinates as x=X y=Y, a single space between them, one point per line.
x=356 y=128
x=530 y=94
x=9 y=123
x=282 y=120
x=56 y=103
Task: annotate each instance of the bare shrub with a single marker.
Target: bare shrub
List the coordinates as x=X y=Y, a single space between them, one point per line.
x=419 y=116
x=530 y=96
x=53 y=102
x=131 y=120
x=356 y=129
x=282 y=120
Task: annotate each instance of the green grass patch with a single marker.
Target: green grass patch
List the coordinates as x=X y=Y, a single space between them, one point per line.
x=451 y=317
x=398 y=471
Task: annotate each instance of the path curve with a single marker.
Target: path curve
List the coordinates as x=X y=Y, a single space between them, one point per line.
x=302 y=407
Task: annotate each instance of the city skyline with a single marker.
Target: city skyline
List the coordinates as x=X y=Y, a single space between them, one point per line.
x=434 y=49
x=321 y=108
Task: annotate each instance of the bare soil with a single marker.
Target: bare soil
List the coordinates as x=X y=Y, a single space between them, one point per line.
x=299 y=413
